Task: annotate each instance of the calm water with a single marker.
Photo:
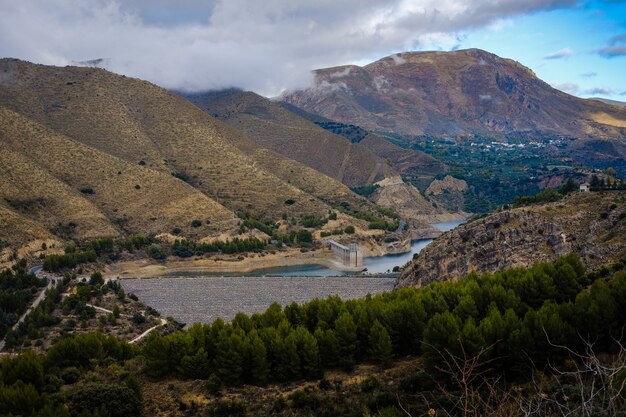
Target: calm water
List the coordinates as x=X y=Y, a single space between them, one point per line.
x=374 y=264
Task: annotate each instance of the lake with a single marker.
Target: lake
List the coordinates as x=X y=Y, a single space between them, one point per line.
x=374 y=264
x=191 y=298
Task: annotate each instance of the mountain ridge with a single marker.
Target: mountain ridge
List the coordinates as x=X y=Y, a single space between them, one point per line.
x=453 y=94
x=128 y=144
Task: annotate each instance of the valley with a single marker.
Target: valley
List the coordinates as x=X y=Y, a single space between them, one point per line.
x=397 y=238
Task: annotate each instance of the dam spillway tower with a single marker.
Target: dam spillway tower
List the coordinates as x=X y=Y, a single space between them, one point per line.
x=351 y=256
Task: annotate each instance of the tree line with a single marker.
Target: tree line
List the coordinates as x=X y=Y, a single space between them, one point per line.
x=505 y=318
x=518 y=313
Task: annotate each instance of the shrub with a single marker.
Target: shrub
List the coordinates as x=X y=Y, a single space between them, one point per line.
x=116 y=400
x=289 y=202
x=196 y=223
x=213 y=384
x=86 y=190
x=138 y=318
x=310 y=220
x=304 y=236
x=229 y=409
x=370 y=384
x=349 y=229
x=96 y=279
x=156 y=252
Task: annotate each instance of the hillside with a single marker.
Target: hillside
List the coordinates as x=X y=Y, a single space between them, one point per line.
x=590 y=224
x=407 y=162
x=459 y=93
x=45 y=180
x=273 y=127
x=90 y=153
x=333 y=150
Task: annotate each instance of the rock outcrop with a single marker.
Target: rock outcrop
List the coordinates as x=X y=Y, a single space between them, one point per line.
x=590 y=224
x=448 y=192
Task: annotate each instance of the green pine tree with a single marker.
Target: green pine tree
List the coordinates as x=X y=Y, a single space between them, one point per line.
x=380 y=347
x=257 y=359
x=309 y=353
x=230 y=357
x=345 y=330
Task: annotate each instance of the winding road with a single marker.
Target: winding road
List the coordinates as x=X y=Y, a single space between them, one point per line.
x=40 y=297
x=163 y=322
x=52 y=282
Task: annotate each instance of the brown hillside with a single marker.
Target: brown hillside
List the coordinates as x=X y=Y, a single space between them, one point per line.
x=138 y=121
x=409 y=162
x=311 y=181
x=273 y=127
x=17 y=230
x=405 y=161
x=451 y=94
x=44 y=173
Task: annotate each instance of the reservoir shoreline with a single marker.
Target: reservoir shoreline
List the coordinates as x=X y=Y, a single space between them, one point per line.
x=267 y=264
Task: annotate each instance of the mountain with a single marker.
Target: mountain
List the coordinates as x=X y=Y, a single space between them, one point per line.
x=87 y=153
x=271 y=126
x=346 y=153
x=608 y=101
x=452 y=94
x=407 y=162
x=590 y=224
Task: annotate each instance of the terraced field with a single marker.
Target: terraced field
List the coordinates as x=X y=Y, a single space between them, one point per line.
x=203 y=299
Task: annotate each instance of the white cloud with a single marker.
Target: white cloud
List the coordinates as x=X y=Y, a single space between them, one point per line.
x=397 y=59
x=600 y=91
x=265 y=46
x=569 y=88
x=560 y=54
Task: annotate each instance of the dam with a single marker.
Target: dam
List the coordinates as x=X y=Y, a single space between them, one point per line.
x=350 y=256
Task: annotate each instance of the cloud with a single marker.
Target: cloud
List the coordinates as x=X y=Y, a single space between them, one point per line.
x=265 y=46
x=600 y=91
x=569 y=88
x=615 y=48
x=560 y=54
x=589 y=74
x=613 y=51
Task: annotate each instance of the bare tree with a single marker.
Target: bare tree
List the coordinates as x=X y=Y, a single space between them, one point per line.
x=480 y=395
x=588 y=385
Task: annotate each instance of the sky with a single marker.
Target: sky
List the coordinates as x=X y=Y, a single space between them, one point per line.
x=269 y=46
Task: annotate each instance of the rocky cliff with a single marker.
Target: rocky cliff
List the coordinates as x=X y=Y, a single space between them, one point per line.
x=590 y=224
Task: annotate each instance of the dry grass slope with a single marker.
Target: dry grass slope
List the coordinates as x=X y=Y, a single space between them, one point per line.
x=137 y=121
x=45 y=173
x=271 y=126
